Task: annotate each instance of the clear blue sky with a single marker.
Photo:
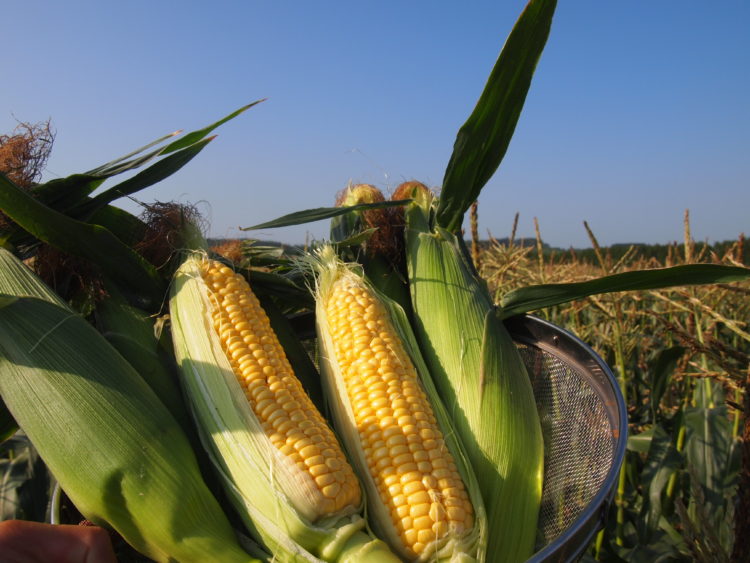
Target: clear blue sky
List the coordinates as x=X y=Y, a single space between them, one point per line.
x=638 y=110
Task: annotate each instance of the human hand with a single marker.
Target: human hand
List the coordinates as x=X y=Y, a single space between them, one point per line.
x=33 y=542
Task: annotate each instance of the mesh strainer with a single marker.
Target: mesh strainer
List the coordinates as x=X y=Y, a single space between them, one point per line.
x=584 y=423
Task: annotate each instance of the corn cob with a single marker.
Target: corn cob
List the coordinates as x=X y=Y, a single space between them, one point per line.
x=140 y=475
x=276 y=397
x=282 y=465
x=412 y=469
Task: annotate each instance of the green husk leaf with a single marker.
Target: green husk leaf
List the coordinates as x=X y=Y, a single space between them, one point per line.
x=90 y=404
x=511 y=448
x=140 y=474
x=298 y=357
x=122 y=164
x=123 y=224
x=63 y=193
x=17 y=279
x=482 y=141
x=534 y=297
x=70 y=195
x=114 y=166
x=131 y=332
x=284 y=290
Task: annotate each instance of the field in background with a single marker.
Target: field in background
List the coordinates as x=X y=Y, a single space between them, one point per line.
x=681 y=357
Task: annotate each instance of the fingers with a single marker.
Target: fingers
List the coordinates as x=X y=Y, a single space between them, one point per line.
x=34 y=542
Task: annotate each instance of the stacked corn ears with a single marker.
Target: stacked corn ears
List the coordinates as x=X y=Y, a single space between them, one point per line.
x=279 y=461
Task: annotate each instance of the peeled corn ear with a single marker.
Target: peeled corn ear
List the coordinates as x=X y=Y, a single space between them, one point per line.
x=422 y=496
x=280 y=462
x=100 y=429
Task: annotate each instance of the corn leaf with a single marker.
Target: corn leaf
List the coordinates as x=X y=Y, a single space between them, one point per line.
x=120 y=164
x=660 y=374
x=535 y=297
x=148 y=177
x=641 y=442
x=195 y=136
x=319 y=214
x=708 y=443
x=24 y=481
x=482 y=141
x=124 y=225
x=86 y=240
x=662 y=461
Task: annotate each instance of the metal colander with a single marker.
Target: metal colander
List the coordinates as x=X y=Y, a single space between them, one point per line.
x=584 y=424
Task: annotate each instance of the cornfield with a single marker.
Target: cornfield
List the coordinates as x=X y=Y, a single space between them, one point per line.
x=681 y=356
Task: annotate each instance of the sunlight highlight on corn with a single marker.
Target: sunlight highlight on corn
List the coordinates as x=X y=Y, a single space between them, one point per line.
x=276 y=396
x=420 y=501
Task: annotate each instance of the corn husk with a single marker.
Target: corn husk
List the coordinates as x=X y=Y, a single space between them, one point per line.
x=482 y=380
x=111 y=444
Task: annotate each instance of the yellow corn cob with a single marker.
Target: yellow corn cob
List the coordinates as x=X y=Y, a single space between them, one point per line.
x=416 y=492
x=276 y=396
x=280 y=463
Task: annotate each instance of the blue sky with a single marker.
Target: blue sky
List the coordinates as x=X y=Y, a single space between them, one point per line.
x=638 y=111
